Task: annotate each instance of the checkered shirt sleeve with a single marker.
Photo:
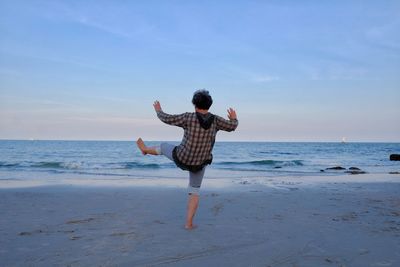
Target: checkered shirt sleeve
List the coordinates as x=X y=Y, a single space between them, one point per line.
x=226 y=125
x=179 y=120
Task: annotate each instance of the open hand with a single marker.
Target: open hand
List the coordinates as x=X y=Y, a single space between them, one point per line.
x=157 y=106
x=232 y=114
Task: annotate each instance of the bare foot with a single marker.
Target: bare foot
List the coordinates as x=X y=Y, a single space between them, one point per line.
x=141 y=146
x=190 y=227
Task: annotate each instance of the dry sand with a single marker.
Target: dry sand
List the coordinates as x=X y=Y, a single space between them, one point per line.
x=283 y=222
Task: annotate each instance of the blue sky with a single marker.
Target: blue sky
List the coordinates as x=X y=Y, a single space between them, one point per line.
x=294 y=70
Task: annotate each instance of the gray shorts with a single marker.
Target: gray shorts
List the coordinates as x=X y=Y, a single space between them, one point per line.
x=195 y=178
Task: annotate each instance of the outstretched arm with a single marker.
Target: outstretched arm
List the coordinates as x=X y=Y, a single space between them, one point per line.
x=228 y=125
x=177 y=120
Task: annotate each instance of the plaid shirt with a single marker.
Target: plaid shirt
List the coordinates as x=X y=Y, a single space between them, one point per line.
x=197 y=143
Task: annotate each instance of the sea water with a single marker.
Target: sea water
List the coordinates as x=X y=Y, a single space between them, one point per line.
x=121 y=160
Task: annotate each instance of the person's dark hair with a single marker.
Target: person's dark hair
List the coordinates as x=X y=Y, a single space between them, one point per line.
x=202 y=99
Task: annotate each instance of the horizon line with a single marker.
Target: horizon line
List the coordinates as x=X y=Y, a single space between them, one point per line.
x=225 y=141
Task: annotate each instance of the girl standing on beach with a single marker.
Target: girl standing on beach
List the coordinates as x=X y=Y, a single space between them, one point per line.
x=195 y=151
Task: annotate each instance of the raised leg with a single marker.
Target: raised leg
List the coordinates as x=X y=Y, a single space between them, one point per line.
x=146 y=150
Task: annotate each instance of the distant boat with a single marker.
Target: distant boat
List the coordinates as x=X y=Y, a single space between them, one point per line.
x=343 y=140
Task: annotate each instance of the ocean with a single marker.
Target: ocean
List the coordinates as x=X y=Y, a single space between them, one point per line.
x=121 y=160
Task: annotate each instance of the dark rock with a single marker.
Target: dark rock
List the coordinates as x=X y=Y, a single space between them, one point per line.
x=354 y=169
x=25 y=233
x=30 y=233
x=321 y=170
x=355 y=172
x=395 y=157
x=278 y=167
x=336 y=168
x=394 y=172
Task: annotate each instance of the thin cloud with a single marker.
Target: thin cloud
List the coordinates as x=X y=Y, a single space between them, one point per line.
x=110 y=18
x=386 y=35
x=111 y=29
x=333 y=71
x=102 y=27
x=264 y=78
x=10 y=72
x=249 y=75
x=53 y=59
x=115 y=120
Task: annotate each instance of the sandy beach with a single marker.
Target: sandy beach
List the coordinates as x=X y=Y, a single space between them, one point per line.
x=305 y=221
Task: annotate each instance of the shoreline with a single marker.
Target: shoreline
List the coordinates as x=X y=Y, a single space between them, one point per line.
x=283 y=223
x=232 y=184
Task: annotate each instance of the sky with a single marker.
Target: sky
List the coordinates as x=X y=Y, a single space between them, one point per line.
x=293 y=70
